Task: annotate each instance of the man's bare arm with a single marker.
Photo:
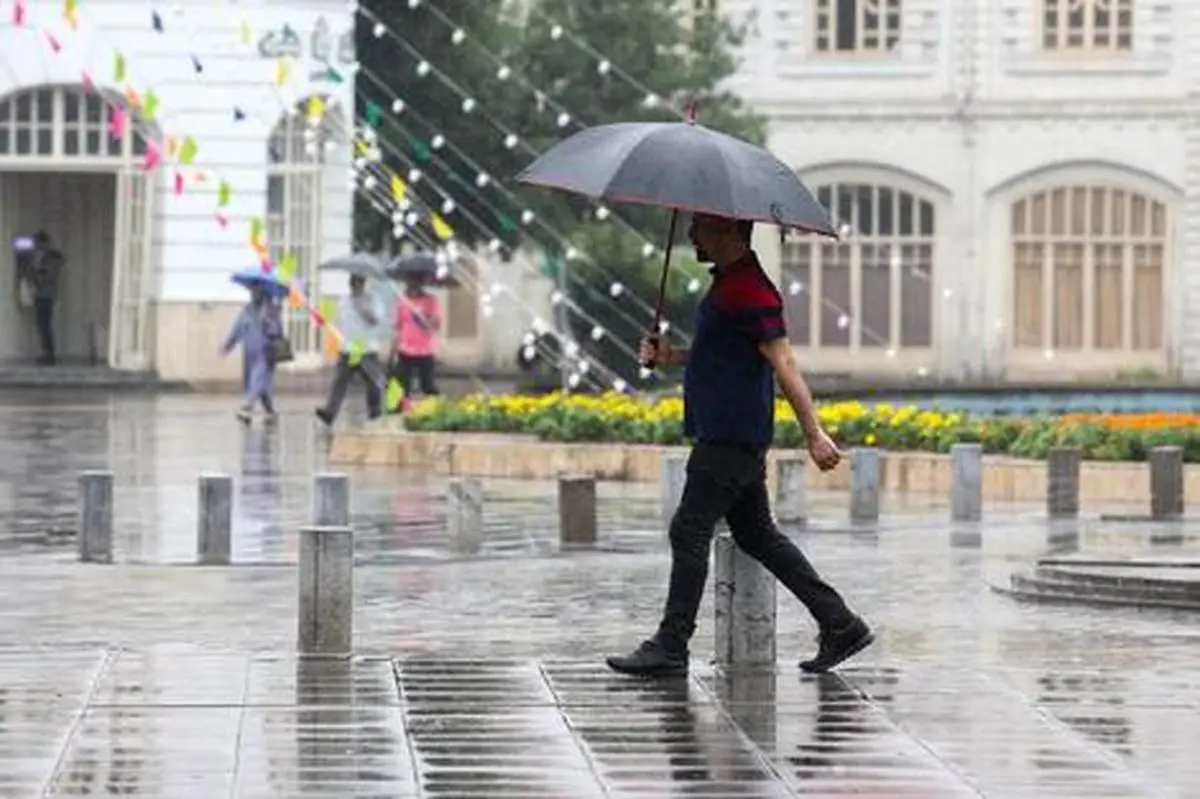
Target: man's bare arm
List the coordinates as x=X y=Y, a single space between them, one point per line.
x=782 y=357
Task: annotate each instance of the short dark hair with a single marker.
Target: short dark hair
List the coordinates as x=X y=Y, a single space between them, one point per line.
x=746 y=229
x=41 y=237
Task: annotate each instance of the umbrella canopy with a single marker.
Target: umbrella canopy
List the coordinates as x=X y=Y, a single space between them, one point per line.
x=254 y=276
x=420 y=266
x=363 y=264
x=682 y=166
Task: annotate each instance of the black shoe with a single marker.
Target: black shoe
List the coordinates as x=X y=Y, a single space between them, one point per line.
x=324 y=416
x=651 y=659
x=838 y=645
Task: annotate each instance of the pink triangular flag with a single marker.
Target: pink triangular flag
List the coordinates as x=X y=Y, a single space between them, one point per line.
x=53 y=42
x=179 y=183
x=153 y=157
x=222 y=219
x=19 y=13
x=85 y=80
x=116 y=122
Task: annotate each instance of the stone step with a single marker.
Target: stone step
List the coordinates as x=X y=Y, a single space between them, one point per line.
x=1124 y=580
x=1029 y=587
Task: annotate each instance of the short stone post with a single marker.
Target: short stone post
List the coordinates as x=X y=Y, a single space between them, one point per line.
x=577 y=512
x=464 y=517
x=326 y=592
x=966 y=488
x=214 y=520
x=671 y=479
x=331 y=500
x=96 y=516
x=1166 y=483
x=791 y=490
x=1062 y=482
x=865 y=468
x=744 y=605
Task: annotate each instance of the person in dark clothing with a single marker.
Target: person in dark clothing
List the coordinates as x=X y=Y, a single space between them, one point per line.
x=46 y=265
x=739 y=350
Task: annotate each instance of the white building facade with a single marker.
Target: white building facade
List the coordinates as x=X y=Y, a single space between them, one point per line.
x=147 y=279
x=1018 y=182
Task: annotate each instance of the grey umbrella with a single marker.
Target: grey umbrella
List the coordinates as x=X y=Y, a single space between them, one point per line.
x=360 y=263
x=681 y=166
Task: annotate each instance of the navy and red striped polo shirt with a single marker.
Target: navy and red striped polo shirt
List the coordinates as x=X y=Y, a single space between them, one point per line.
x=728 y=386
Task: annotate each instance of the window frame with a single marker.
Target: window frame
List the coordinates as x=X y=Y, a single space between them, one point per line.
x=859 y=52
x=1088 y=47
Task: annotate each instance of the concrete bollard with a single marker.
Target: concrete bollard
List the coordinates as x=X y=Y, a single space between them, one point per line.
x=1166 y=483
x=325 y=626
x=1062 y=482
x=214 y=522
x=966 y=488
x=865 y=468
x=672 y=476
x=464 y=517
x=577 y=525
x=96 y=516
x=331 y=500
x=791 y=490
x=744 y=605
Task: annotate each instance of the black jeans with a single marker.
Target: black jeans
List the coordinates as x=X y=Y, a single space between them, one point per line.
x=43 y=314
x=369 y=369
x=730 y=482
x=415 y=372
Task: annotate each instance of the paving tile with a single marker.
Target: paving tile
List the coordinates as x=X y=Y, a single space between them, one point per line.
x=163 y=678
x=158 y=753
x=287 y=680
x=467 y=684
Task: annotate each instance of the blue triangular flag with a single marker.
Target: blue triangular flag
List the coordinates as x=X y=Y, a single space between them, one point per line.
x=239 y=115
x=196 y=65
x=156 y=21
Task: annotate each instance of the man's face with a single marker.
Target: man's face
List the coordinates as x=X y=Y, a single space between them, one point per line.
x=706 y=233
x=357 y=282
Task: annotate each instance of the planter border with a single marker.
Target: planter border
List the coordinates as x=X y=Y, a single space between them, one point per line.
x=525 y=457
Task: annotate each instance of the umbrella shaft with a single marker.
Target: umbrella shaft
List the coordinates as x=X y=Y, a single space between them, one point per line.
x=662 y=282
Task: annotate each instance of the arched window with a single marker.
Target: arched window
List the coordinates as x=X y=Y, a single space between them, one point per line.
x=1088 y=269
x=66 y=121
x=296 y=154
x=874 y=288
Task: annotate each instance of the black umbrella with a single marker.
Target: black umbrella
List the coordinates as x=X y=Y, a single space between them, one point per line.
x=681 y=166
x=420 y=266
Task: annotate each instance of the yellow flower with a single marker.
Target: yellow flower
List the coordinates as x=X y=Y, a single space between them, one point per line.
x=870 y=439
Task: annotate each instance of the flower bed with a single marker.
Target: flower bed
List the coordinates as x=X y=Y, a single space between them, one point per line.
x=622 y=418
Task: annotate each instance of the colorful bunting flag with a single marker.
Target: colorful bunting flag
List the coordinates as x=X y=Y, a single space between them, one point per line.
x=222 y=219
x=282 y=70
x=197 y=67
x=399 y=188
x=71 y=13
x=18 y=17
x=118 y=68
x=149 y=106
x=188 y=150
x=258 y=232
x=287 y=267
x=440 y=228
x=245 y=32
x=55 y=45
x=334 y=76
x=328 y=308
x=116 y=122
x=85 y=80
x=374 y=114
x=156 y=21
x=316 y=110
x=295 y=297
x=132 y=97
x=224 y=194
x=333 y=345
x=239 y=115
x=179 y=183
x=153 y=156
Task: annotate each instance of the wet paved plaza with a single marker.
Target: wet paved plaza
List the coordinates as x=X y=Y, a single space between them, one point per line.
x=479 y=674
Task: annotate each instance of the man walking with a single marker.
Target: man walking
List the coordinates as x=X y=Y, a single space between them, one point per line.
x=740 y=348
x=360 y=321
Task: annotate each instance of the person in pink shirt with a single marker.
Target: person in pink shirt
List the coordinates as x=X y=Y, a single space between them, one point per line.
x=418 y=319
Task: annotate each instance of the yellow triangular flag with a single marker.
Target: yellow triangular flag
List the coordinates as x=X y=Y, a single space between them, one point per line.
x=443 y=231
x=245 y=33
x=287 y=268
x=316 y=109
x=327 y=307
x=281 y=72
x=399 y=187
x=394 y=395
x=361 y=146
x=258 y=230
x=358 y=348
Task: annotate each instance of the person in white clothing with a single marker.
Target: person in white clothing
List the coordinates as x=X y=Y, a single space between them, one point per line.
x=361 y=322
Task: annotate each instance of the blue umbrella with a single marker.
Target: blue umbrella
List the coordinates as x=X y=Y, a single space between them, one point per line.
x=255 y=276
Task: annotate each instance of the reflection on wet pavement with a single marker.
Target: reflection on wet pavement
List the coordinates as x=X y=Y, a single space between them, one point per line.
x=481 y=676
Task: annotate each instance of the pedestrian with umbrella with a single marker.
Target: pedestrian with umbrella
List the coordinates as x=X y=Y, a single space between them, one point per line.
x=259 y=330
x=361 y=320
x=418 y=320
x=740 y=350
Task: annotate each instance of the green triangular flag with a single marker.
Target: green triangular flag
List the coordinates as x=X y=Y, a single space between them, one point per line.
x=551 y=264
x=258 y=229
x=507 y=225
x=149 y=106
x=358 y=348
x=374 y=114
x=421 y=151
x=188 y=151
x=118 y=68
x=327 y=307
x=224 y=194
x=287 y=268
x=333 y=76
x=394 y=395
